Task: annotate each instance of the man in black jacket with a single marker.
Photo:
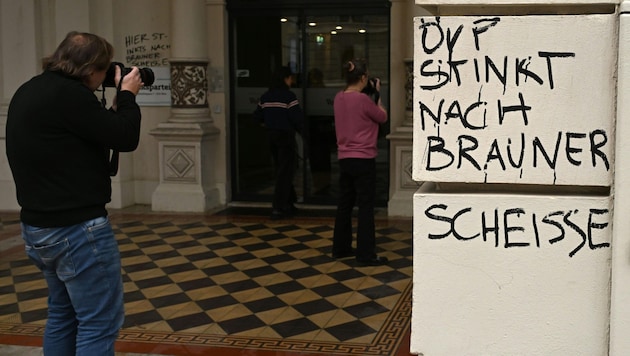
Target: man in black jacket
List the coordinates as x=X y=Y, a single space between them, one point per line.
x=279 y=110
x=58 y=139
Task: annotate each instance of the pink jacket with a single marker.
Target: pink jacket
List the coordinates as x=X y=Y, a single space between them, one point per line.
x=357 y=119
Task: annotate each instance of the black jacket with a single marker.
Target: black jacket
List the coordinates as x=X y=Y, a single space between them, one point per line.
x=58 y=138
x=280 y=109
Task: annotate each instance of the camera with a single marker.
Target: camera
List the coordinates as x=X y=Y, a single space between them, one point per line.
x=371 y=91
x=145 y=73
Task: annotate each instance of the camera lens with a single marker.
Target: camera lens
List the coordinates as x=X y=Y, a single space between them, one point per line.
x=146 y=74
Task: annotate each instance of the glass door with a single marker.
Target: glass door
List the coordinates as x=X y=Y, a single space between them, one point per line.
x=331 y=41
x=314 y=45
x=262 y=44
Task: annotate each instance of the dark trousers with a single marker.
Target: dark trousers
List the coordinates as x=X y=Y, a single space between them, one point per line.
x=357 y=185
x=283 y=150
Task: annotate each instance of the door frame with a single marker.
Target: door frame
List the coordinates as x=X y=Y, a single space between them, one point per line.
x=301 y=9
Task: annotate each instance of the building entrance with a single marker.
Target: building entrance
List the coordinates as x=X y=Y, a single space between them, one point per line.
x=314 y=44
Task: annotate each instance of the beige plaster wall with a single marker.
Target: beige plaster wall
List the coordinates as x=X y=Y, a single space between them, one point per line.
x=218 y=98
x=136 y=24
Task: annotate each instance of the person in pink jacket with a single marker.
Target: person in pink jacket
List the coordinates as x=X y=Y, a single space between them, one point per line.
x=357 y=120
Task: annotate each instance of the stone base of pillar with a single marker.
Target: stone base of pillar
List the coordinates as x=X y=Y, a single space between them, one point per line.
x=181 y=198
x=123 y=194
x=186 y=155
x=8 y=200
x=400 y=204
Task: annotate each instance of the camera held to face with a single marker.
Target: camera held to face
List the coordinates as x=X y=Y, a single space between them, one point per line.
x=371 y=91
x=146 y=74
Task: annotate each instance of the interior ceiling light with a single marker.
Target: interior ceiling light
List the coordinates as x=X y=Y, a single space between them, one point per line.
x=362 y=30
x=312 y=24
x=284 y=19
x=333 y=32
x=339 y=27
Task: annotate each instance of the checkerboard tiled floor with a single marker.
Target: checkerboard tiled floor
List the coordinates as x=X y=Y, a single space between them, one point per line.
x=236 y=282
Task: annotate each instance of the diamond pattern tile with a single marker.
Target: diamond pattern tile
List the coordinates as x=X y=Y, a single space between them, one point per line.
x=221 y=281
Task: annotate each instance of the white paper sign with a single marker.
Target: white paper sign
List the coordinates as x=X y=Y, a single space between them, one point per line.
x=158 y=94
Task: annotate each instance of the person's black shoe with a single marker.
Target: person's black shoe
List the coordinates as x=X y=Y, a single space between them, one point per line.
x=376 y=261
x=291 y=210
x=343 y=254
x=277 y=215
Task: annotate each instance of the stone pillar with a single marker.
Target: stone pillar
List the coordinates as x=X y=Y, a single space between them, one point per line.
x=185 y=141
x=620 y=288
x=401 y=185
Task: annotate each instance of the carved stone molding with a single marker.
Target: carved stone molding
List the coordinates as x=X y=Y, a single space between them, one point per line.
x=189 y=84
x=179 y=164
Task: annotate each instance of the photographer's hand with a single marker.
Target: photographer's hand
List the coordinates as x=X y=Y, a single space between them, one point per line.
x=131 y=82
x=377 y=86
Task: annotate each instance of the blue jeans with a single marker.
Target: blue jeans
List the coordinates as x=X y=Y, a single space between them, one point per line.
x=81 y=264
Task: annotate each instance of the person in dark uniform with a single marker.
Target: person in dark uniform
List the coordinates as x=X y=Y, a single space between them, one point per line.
x=280 y=112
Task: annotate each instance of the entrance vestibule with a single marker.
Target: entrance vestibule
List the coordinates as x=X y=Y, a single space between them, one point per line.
x=314 y=44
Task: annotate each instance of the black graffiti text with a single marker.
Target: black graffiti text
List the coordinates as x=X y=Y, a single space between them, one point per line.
x=512 y=152
x=518 y=228
x=474 y=115
x=516 y=70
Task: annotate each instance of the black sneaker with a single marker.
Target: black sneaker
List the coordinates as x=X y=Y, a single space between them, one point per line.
x=376 y=261
x=343 y=254
x=277 y=215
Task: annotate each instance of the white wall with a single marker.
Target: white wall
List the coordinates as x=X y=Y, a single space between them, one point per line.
x=513 y=2
x=502 y=274
x=620 y=303
x=141 y=36
x=555 y=86
x=511 y=273
x=33 y=29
